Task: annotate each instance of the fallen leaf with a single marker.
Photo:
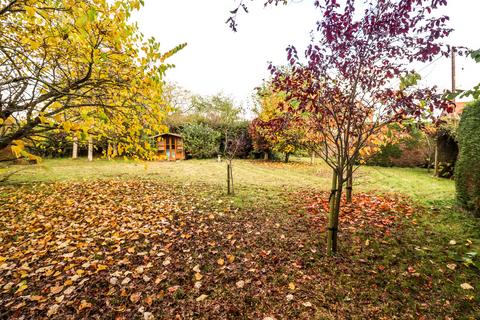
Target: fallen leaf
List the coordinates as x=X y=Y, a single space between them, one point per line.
x=221 y=262
x=240 y=284
x=52 y=310
x=21 y=288
x=466 y=286
x=84 y=304
x=201 y=298
x=101 y=267
x=57 y=289
x=148 y=316
x=451 y=266
x=291 y=286
x=36 y=298
x=69 y=290
x=135 y=297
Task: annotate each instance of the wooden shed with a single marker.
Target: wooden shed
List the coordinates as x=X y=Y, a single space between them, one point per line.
x=170 y=146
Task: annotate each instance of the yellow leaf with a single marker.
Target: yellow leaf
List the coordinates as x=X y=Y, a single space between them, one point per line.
x=198 y=276
x=230 y=258
x=30 y=11
x=221 y=262
x=291 y=286
x=101 y=267
x=21 y=288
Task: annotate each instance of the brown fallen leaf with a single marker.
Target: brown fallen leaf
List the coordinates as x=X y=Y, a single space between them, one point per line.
x=57 y=289
x=135 y=297
x=84 y=304
x=52 y=310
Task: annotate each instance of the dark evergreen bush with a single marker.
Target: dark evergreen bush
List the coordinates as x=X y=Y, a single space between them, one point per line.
x=467 y=170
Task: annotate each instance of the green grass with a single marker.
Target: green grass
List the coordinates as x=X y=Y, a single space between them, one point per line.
x=416 y=183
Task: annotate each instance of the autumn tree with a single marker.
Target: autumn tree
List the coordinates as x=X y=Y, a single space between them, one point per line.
x=274 y=128
x=81 y=67
x=355 y=78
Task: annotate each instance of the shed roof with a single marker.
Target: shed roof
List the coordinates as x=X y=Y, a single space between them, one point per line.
x=167 y=134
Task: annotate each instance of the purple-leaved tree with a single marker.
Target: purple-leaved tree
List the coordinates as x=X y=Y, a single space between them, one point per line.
x=355 y=78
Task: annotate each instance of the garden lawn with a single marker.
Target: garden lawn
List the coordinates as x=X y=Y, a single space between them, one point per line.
x=133 y=240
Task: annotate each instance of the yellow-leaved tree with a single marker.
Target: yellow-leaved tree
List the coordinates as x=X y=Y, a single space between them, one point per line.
x=79 y=66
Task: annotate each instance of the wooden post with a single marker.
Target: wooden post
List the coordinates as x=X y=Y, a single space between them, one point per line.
x=231 y=179
x=454 y=77
x=90 y=149
x=435 y=174
x=75 y=148
x=228 y=179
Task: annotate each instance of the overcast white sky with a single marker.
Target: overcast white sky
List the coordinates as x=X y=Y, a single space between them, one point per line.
x=219 y=60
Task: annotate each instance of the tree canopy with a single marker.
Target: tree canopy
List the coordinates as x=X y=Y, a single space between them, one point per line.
x=81 y=67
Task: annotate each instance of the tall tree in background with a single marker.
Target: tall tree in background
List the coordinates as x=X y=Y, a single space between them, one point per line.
x=347 y=85
x=79 y=66
x=274 y=128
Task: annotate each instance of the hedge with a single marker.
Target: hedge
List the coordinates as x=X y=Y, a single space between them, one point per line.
x=467 y=169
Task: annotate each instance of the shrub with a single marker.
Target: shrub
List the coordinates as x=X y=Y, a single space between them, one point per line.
x=200 y=141
x=467 y=170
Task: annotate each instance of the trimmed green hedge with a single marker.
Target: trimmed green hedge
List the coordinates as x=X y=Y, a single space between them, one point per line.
x=467 y=169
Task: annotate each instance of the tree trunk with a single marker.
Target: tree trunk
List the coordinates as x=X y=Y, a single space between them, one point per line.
x=312 y=159
x=436 y=160
x=109 y=150
x=265 y=156
x=287 y=157
x=335 y=199
x=90 y=149
x=75 y=148
x=349 y=183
